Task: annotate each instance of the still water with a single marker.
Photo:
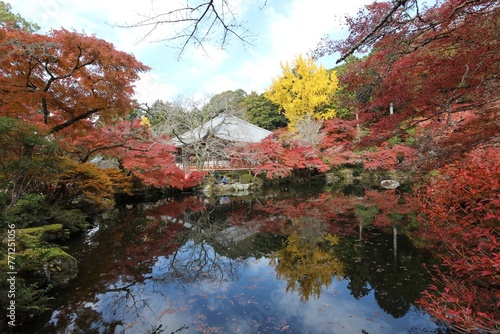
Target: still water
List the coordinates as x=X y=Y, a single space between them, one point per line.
x=282 y=261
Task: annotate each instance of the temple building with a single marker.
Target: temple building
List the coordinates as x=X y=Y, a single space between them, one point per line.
x=206 y=147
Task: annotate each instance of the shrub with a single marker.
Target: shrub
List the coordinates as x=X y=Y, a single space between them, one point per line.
x=460 y=210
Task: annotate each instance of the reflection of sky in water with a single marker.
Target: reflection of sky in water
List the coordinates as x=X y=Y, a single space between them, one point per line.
x=250 y=301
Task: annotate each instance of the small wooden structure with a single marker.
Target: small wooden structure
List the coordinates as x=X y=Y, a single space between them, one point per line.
x=205 y=147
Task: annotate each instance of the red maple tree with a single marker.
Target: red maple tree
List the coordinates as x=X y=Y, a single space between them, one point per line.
x=461 y=214
x=135 y=149
x=64 y=77
x=80 y=88
x=434 y=65
x=278 y=156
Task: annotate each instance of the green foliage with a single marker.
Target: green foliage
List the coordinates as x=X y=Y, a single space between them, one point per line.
x=249 y=178
x=395 y=217
x=28 y=158
x=30 y=299
x=262 y=112
x=29 y=210
x=412 y=223
x=15 y=20
x=410 y=134
x=366 y=214
x=33 y=211
x=246 y=178
x=357 y=170
x=33 y=297
x=169 y=118
x=229 y=101
x=407 y=135
x=34 y=253
x=40 y=255
x=72 y=220
x=394 y=140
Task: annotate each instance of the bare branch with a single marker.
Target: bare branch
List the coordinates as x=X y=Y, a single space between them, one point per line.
x=208 y=22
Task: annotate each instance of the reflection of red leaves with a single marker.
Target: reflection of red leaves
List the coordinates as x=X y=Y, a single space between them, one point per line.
x=152 y=241
x=390 y=203
x=335 y=212
x=175 y=208
x=172 y=310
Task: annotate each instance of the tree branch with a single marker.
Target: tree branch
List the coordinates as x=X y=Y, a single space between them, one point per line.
x=198 y=25
x=75 y=119
x=383 y=21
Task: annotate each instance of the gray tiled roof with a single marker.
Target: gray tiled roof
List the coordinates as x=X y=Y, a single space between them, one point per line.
x=225 y=127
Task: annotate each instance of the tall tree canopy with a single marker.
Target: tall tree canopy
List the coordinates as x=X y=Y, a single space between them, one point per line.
x=304 y=89
x=64 y=77
x=438 y=66
x=229 y=101
x=79 y=89
x=262 y=112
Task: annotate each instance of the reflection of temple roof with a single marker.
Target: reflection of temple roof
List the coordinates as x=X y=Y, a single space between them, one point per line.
x=235 y=234
x=225 y=127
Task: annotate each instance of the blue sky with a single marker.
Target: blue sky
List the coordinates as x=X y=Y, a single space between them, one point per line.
x=283 y=29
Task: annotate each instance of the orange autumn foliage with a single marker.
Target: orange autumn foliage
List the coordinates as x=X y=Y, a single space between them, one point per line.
x=85 y=182
x=64 y=77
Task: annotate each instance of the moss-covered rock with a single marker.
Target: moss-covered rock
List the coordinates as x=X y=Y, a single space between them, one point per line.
x=51 y=266
x=62 y=267
x=30 y=237
x=73 y=220
x=40 y=262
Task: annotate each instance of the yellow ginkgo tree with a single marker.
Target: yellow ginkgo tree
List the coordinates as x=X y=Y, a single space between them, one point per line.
x=304 y=90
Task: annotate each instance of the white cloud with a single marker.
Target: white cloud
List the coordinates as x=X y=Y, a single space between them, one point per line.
x=152 y=87
x=300 y=28
x=219 y=84
x=291 y=30
x=255 y=74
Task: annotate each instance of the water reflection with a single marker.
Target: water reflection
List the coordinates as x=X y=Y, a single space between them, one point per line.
x=308 y=263
x=270 y=263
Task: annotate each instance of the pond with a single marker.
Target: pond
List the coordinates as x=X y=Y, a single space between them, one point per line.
x=281 y=261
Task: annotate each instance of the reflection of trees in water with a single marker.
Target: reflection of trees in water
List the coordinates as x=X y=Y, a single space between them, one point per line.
x=115 y=293
x=212 y=248
x=197 y=262
x=188 y=241
x=117 y=308
x=196 y=259
x=384 y=263
x=370 y=266
x=307 y=261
